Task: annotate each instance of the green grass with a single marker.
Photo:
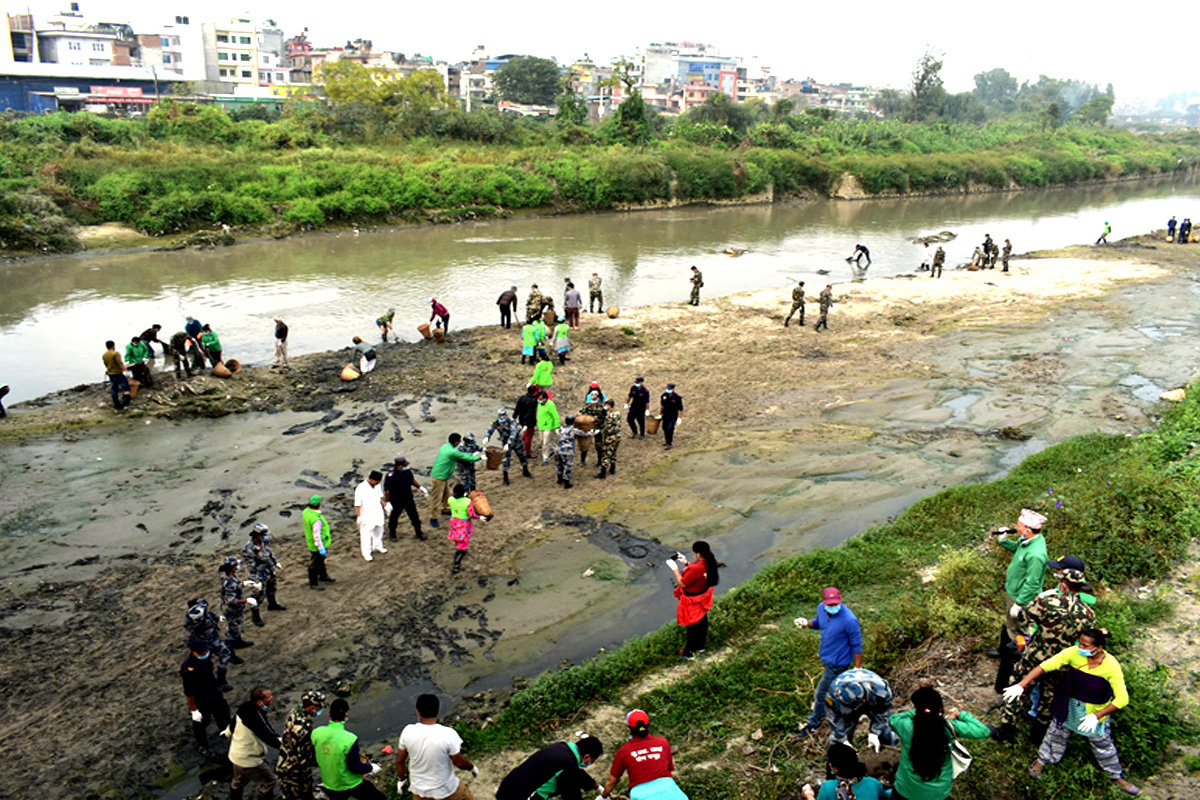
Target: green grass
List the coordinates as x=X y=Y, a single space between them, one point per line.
x=1128 y=507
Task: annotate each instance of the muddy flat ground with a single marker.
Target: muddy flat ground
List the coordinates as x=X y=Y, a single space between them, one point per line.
x=791 y=439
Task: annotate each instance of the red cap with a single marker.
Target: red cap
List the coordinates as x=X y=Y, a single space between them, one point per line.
x=636 y=716
x=832 y=596
x=594 y=385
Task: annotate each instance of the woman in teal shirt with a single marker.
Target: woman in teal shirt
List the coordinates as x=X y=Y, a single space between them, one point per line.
x=848 y=773
x=926 y=771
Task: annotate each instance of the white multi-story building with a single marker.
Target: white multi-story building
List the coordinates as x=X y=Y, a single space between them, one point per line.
x=80 y=48
x=231 y=51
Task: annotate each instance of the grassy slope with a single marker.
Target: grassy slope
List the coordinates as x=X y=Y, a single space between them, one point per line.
x=1127 y=506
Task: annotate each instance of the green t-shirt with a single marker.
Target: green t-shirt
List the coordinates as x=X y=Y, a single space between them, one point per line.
x=332 y=743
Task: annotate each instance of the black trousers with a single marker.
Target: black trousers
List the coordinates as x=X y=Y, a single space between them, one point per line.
x=668 y=427
x=364 y=791
x=637 y=420
x=408 y=505
x=505 y=316
x=316 y=569
x=213 y=708
x=697 y=636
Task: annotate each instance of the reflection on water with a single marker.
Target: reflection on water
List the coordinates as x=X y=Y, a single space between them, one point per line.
x=56 y=313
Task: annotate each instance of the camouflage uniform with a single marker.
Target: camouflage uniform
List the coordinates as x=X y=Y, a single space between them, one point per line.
x=297 y=758
x=564 y=456
x=697 y=282
x=857 y=693
x=179 y=344
x=1059 y=619
x=939 y=260
x=533 y=305
x=797 y=305
x=1005 y=253
x=508 y=432
x=598 y=411
x=206 y=626
x=464 y=471
x=260 y=564
x=610 y=434
x=826 y=300
x=594 y=294
x=231 y=593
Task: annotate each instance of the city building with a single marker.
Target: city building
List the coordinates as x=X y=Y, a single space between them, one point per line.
x=231 y=52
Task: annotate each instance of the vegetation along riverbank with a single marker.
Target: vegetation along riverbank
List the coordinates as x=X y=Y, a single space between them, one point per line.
x=184 y=168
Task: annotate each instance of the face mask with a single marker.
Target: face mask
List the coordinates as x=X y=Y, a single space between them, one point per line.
x=404 y=469
x=320 y=711
x=201 y=658
x=1086 y=653
x=670 y=391
x=831 y=610
x=266 y=539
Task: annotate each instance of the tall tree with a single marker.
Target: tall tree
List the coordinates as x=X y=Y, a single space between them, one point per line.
x=927 y=90
x=528 y=79
x=1095 y=112
x=995 y=86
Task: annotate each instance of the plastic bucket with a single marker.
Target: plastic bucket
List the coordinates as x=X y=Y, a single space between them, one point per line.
x=424 y=329
x=482 y=507
x=495 y=455
x=350 y=373
x=652 y=423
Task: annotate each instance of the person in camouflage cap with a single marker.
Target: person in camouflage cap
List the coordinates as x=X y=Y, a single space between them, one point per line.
x=858 y=693
x=297 y=759
x=1053 y=622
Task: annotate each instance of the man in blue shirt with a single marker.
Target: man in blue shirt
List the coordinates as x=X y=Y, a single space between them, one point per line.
x=841 y=649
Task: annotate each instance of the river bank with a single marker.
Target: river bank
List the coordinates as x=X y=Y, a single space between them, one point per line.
x=866 y=417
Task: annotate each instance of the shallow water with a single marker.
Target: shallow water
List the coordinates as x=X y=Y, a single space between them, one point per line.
x=56 y=313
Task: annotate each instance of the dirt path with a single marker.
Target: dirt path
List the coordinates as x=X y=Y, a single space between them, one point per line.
x=95 y=582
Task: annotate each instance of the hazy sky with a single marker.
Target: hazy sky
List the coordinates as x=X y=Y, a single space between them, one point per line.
x=866 y=42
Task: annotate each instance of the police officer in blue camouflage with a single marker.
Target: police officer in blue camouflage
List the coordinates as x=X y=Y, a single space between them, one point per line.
x=202 y=623
x=234 y=603
x=262 y=565
x=508 y=434
x=564 y=456
x=465 y=470
x=857 y=693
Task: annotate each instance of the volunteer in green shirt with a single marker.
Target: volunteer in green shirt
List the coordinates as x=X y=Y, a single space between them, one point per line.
x=136 y=354
x=926 y=770
x=543 y=373
x=212 y=345
x=528 y=342
x=440 y=475
x=547 y=423
x=319 y=539
x=341 y=762
x=1022 y=584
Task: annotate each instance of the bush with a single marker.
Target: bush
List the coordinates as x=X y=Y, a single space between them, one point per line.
x=304 y=211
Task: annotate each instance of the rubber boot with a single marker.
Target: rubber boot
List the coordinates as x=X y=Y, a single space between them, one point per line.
x=506 y=478
x=458 y=559
x=566 y=484
x=583 y=457
x=525 y=471
x=1004 y=733
x=223 y=684
x=273 y=604
x=603 y=473
x=560 y=480
x=235 y=659
x=1037 y=731
x=256 y=617
x=239 y=642
x=612 y=468
x=236 y=794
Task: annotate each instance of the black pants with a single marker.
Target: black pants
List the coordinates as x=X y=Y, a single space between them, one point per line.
x=505 y=316
x=445 y=323
x=668 y=427
x=364 y=791
x=213 y=708
x=408 y=505
x=637 y=420
x=316 y=569
x=141 y=374
x=697 y=636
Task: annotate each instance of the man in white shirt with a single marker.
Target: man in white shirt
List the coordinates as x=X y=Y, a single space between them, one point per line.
x=428 y=753
x=368 y=506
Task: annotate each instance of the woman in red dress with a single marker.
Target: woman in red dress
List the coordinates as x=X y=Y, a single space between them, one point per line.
x=695 y=593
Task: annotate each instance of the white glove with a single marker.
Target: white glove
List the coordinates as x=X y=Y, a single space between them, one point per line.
x=1089 y=724
x=807 y=791
x=474 y=771
x=873 y=741
x=671 y=565
x=800 y=622
x=387 y=508
x=627 y=406
x=400 y=785
x=227 y=732
x=197 y=716
x=678 y=422
x=424 y=491
x=1015 y=611
x=253 y=586
x=376 y=769
x=279 y=568
x=485 y=440
x=1013 y=693
x=250 y=601
x=221 y=618
x=506 y=448
x=681 y=558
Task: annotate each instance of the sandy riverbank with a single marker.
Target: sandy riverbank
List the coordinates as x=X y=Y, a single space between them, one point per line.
x=95 y=585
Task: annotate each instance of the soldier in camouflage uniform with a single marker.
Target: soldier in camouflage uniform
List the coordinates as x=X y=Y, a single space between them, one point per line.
x=179 y=354
x=610 y=435
x=508 y=434
x=1052 y=623
x=797 y=304
x=465 y=470
x=564 y=456
x=297 y=758
x=533 y=304
x=202 y=623
x=826 y=300
x=697 y=281
x=261 y=564
x=858 y=693
x=594 y=407
x=939 y=261
x=1005 y=254
x=595 y=296
x=234 y=603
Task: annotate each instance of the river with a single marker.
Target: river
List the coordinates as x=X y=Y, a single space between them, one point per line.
x=56 y=312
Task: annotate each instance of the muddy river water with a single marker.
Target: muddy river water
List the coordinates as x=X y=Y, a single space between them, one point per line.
x=56 y=313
